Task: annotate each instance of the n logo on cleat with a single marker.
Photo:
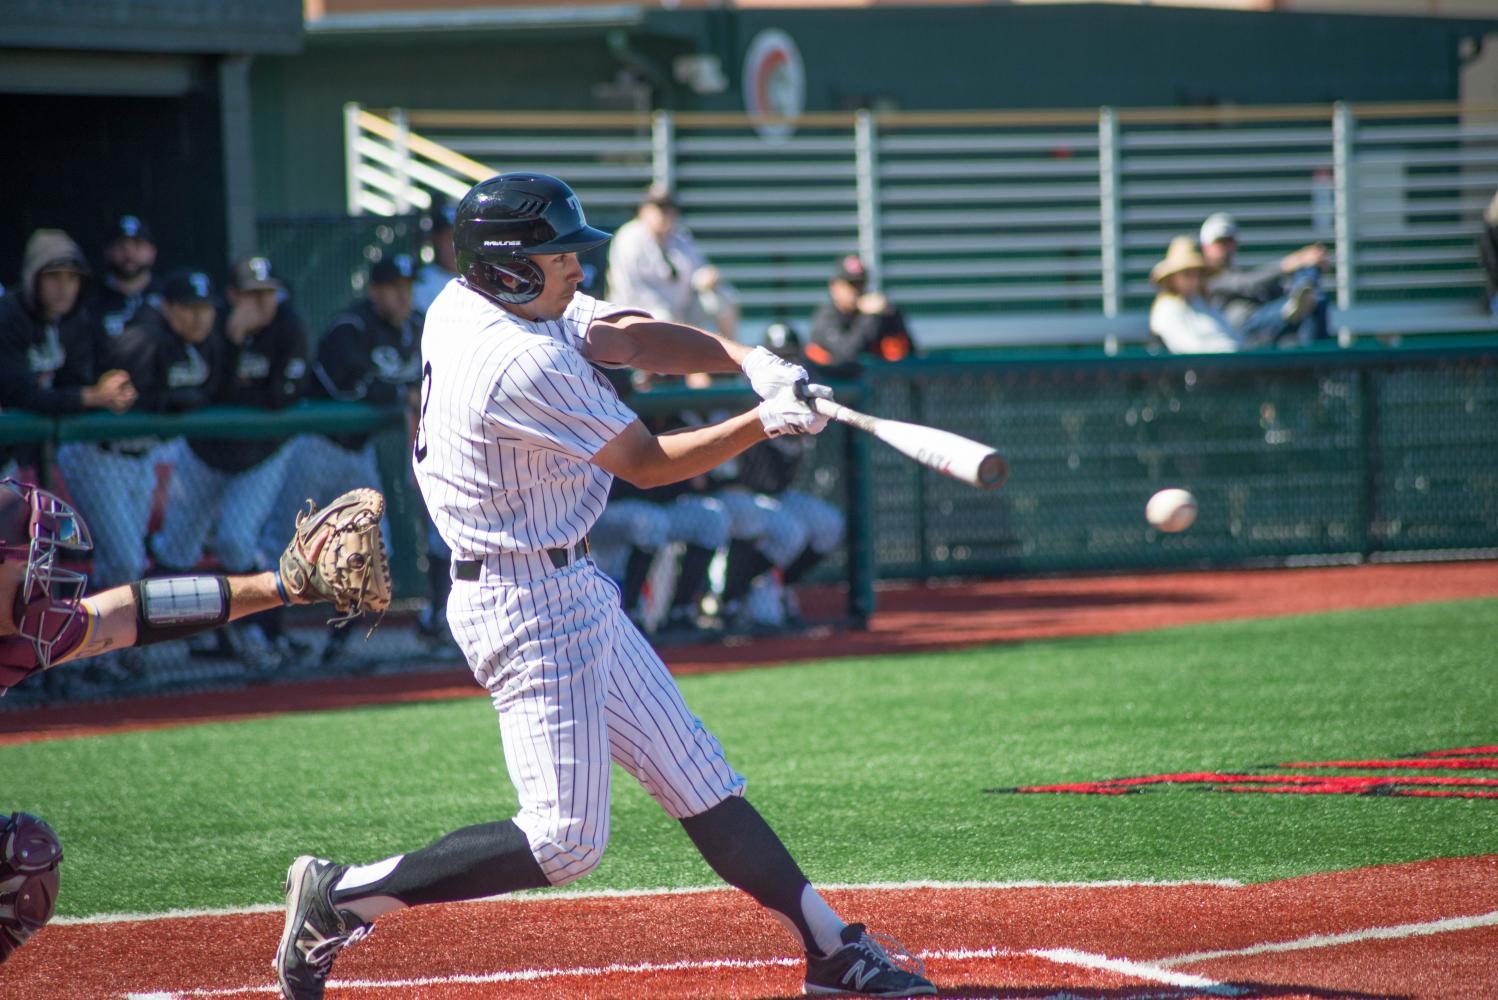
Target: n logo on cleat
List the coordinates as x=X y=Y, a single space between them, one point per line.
x=857 y=976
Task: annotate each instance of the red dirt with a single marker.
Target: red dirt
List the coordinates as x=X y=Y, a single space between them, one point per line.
x=564 y=946
x=910 y=619
x=1140 y=923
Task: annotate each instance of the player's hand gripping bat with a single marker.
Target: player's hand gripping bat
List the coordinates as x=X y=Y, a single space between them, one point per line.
x=950 y=454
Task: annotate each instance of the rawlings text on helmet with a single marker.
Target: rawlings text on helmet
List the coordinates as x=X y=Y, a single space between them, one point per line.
x=504 y=221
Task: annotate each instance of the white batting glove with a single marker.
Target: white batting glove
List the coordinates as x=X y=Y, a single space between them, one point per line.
x=788 y=413
x=769 y=373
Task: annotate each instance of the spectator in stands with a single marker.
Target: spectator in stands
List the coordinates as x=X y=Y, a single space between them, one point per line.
x=257 y=357
x=443 y=267
x=129 y=282
x=1180 y=315
x=656 y=265
x=1277 y=303
x=1488 y=251
x=53 y=358
x=855 y=323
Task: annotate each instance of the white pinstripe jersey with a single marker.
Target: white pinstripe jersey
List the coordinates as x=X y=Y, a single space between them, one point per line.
x=511 y=413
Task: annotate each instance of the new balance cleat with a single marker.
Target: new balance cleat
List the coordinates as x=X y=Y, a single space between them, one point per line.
x=315 y=930
x=863 y=967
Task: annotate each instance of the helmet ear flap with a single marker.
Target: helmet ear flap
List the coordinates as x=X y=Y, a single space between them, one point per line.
x=514 y=281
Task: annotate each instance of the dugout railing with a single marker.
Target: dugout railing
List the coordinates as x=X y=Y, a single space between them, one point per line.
x=998 y=228
x=1313 y=456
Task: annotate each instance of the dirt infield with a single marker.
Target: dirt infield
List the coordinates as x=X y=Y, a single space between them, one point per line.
x=910 y=619
x=1428 y=929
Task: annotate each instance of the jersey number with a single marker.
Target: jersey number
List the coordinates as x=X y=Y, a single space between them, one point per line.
x=421 y=422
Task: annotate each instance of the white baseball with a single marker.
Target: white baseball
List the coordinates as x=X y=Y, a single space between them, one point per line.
x=1171 y=510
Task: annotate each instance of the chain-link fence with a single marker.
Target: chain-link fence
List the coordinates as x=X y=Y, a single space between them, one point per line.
x=1294 y=457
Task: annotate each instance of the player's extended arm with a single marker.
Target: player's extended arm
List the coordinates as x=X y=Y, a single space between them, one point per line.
x=114 y=622
x=648 y=460
x=634 y=341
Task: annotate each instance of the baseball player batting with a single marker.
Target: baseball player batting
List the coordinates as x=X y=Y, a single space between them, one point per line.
x=45 y=620
x=518 y=441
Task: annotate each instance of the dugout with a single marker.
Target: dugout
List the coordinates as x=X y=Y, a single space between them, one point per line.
x=116 y=107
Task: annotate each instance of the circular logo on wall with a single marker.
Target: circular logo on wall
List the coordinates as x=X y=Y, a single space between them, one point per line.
x=774 y=83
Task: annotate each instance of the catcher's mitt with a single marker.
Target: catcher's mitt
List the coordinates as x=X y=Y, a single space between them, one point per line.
x=338 y=555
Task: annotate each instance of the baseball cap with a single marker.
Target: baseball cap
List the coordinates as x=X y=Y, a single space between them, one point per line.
x=253 y=274
x=69 y=261
x=187 y=286
x=388 y=270
x=1219 y=226
x=130 y=227
x=851 y=269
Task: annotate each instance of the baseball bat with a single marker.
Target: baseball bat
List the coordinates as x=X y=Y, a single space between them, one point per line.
x=950 y=454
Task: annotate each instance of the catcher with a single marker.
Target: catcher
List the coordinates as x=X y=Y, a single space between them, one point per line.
x=336 y=555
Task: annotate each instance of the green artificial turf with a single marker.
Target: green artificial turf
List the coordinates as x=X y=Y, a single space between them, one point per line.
x=872 y=769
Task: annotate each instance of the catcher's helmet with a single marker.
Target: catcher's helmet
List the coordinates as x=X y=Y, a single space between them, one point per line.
x=504 y=221
x=35 y=526
x=29 y=853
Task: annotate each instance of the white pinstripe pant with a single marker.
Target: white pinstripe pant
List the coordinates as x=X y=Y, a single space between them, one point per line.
x=577 y=686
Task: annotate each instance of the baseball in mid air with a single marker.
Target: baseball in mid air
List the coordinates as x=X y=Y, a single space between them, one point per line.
x=1171 y=510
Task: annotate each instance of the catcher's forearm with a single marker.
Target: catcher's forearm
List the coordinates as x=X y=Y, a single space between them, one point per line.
x=117 y=618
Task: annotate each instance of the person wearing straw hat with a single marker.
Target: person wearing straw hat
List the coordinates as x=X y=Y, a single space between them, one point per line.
x=1180 y=315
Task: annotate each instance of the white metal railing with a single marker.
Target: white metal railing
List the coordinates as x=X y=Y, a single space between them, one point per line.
x=997 y=214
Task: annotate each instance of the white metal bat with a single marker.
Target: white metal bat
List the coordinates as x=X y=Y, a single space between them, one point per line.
x=950 y=454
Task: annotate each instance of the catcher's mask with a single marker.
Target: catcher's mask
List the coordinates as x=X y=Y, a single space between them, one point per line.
x=504 y=221
x=35 y=526
x=29 y=854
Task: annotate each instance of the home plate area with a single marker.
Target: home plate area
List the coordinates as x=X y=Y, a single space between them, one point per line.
x=1426 y=929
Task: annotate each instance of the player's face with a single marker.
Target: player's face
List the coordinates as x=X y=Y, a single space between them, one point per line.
x=192 y=321
x=130 y=256
x=57 y=292
x=563 y=275
x=392 y=300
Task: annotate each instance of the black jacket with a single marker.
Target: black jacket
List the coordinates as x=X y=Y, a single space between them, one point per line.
x=363 y=358
x=169 y=374
x=841 y=340
x=268 y=371
x=116 y=310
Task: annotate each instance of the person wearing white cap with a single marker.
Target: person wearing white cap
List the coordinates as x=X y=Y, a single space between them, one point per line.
x=1180 y=316
x=1271 y=303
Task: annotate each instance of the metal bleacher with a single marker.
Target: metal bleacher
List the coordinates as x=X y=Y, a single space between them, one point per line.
x=1004 y=228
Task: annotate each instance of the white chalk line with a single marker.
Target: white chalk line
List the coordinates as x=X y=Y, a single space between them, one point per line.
x=1156 y=970
x=1393 y=933
x=1060 y=956
x=545 y=895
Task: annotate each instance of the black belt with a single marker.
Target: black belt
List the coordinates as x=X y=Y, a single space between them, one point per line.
x=468 y=569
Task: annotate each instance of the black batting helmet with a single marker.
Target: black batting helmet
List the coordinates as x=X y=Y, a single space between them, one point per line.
x=504 y=221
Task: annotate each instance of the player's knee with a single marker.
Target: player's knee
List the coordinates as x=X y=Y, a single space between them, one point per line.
x=573 y=860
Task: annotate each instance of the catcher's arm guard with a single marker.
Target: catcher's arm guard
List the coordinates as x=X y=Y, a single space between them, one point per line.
x=337 y=554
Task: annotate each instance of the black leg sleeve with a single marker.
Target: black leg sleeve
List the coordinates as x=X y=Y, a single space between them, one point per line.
x=740 y=846
x=691 y=581
x=477 y=861
x=745 y=562
x=804 y=563
x=635 y=572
